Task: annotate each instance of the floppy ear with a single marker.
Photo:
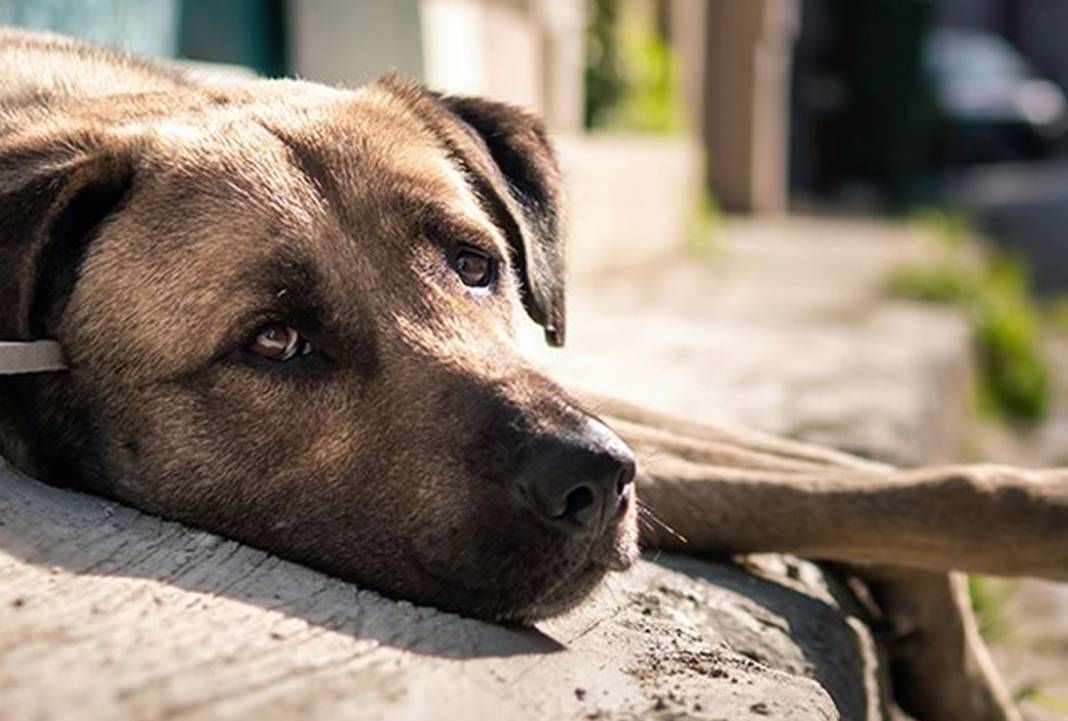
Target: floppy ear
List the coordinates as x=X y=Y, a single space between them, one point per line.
x=519 y=147
x=506 y=156
x=54 y=196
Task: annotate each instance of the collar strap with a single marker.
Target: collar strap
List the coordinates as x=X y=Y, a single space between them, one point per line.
x=36 y=356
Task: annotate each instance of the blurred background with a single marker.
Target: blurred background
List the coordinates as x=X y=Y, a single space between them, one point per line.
x=838 y=220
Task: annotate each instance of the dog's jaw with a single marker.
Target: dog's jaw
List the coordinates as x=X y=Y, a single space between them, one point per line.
x=616 y=552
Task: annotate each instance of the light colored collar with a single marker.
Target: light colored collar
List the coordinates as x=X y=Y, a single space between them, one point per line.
x=37 y=356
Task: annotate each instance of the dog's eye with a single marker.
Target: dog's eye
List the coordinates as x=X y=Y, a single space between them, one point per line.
x=475 y=268
x=278 y=342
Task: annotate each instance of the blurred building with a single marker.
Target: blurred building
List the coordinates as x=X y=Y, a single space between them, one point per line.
x=892 y=98
x=859 y=103
x=733 y=63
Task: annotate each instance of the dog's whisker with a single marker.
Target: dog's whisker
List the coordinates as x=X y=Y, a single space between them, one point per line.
x=649 y=458
x=646 y=513
x=598 y=407
x=644 y=524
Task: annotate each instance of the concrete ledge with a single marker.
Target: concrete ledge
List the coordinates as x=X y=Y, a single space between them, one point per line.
x=788 y=330
x=632 y=199
x=110 y=614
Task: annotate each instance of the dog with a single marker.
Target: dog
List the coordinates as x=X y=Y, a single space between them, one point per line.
x=287 y=315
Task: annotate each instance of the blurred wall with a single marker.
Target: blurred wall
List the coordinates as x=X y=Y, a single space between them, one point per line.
x=348 y=42
x=746 y=108
x=249 y=33
x=528 y=52
x=484 y=48
x=148 y=27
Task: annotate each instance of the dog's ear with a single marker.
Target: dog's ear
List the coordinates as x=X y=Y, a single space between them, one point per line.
x=55 y=194
x=519 y=147
x=506 y=155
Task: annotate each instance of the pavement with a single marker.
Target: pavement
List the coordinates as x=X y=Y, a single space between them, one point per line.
x=784 y=328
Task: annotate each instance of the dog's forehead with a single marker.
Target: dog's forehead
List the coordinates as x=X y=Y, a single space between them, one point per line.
x=346 y=157
x=371 y=148
x=360 y=168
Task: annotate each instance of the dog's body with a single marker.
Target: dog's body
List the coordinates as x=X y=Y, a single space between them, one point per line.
x=288 y=314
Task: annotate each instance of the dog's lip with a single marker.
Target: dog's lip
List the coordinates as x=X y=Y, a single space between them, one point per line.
x=620 y=562
x=622 y=557
x=622 y=553
x=613 y=549
x=625 y=551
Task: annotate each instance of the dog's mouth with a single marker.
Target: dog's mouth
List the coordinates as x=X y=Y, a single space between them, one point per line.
x=528 y=589
x=616 y=551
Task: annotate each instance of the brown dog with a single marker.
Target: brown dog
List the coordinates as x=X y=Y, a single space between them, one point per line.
x=288 y=315
x=287 y=312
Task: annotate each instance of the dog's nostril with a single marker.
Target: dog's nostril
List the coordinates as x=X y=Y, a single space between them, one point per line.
x=578 y=501
x=580 y=483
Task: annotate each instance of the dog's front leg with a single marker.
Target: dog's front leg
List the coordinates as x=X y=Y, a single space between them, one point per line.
x=980 y=519
x=941 y=668
x=728 y=490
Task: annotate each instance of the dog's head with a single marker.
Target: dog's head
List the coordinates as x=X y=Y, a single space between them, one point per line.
x=288 y=312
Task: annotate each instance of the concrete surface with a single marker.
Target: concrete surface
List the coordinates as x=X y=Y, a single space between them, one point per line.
x=632 y=200
x=106 y=613
x=786 y=329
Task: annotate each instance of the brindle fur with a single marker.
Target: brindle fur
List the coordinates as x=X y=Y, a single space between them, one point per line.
x=151 y=219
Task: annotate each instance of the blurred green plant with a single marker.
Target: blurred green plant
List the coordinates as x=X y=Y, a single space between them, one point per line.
x=631 y=73
x=989 y=599
x=1039 y=697
x=703 y=232
x=1014 y=377
x=948 y=226
x=1057 y=314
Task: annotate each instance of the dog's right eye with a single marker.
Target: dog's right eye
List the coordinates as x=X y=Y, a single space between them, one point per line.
x=278 y=342
x=475 y=268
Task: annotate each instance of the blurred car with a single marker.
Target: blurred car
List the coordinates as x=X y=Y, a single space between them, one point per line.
x=992 y=105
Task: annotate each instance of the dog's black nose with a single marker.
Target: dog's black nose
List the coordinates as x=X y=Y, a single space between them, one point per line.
x=578 y=481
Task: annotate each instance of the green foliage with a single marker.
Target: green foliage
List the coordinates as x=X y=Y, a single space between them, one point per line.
x=604 y=73
x=937 y=284
x=631 y=72
x=949 y=226
x=704 y=225
x=1038 y=697
x=1057 y=314
x=989 y=597
x=1010 y=345
x=1015 y=379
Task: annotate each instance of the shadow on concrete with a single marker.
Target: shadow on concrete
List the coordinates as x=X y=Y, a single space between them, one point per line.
x=57 y=528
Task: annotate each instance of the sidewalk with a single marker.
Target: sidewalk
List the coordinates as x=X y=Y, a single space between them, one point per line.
x=786 y=330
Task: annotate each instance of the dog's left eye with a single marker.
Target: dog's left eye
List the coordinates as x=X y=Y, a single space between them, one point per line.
x=278 y=342
x=475 y=268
